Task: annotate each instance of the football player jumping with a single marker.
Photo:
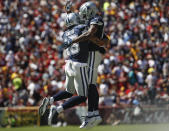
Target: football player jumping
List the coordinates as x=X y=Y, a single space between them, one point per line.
x=75 y=70
x=95 y=33
x=89 y=13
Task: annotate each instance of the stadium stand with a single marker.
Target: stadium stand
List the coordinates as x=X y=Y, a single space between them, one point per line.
x=135 y=67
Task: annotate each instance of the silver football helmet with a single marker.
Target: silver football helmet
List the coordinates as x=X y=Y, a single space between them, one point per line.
x=88 y=10
x=72 y=19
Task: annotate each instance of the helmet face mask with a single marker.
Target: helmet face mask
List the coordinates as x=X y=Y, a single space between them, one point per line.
x=72 y=19
x=82 y=16
x=87 y=11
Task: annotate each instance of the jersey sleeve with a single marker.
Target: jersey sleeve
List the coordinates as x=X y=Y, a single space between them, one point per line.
x=81 y=29
x=96 y=21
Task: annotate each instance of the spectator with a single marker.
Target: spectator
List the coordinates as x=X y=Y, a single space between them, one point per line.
x=30 y=46
x=151 y=82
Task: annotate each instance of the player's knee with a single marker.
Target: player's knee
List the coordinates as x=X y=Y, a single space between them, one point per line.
x=69 y=94
x=82 y=98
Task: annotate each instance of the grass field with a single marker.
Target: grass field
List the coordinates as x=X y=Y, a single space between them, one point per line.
x=148 y=127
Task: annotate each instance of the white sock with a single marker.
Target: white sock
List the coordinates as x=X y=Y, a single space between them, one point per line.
x=96 y=112
x=59 y=109
x=90 y=113
x=51 y=100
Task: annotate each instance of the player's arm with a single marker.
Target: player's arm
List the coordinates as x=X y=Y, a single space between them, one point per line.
x=86 y=35
x=101 y=42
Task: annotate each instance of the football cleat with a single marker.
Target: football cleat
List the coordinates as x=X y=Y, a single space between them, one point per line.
x=52 y=112
x=88 y=122
x=43 y=106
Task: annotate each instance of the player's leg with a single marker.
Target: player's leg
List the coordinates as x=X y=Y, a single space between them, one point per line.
x=75 y=100
x=92 y=86
x=80 y=82
x=70 y=90
x=93 y=96
x=91 y=100
x=49 y=101
x=94 y=61
x=71 y=102
x=90 y=118
x=95 y=113
x=81 y=87
x=60 y=95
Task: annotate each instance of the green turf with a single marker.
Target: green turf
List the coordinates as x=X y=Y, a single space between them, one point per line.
x=148 y=127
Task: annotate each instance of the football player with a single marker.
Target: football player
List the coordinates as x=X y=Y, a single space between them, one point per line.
x=75 y=69
x=93 y=117
x=89 y=13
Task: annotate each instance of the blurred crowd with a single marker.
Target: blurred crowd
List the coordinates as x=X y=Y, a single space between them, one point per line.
x=135 y=68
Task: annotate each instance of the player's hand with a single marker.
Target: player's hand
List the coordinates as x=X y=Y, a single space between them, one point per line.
x=68 y=6
x=67 y=43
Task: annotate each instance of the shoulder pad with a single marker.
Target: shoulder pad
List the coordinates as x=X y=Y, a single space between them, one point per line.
x=96 y=21
x=81 y=28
